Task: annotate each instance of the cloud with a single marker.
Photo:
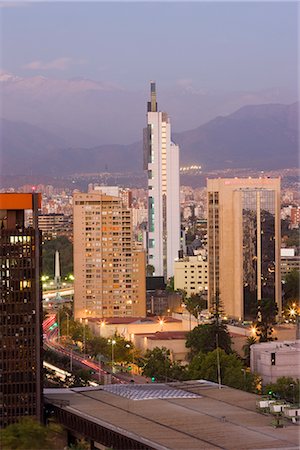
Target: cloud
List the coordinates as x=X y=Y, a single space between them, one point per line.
x=56 y=64
x=11 y=4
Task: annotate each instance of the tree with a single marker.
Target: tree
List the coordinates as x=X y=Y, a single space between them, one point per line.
x=286 y=388
x=232 y=371
x=291 y=286
x=266 y=317
x=170 y=285
x=203 y=338
x=246 y=349
x=98 y=346
x=26 y=434
x=150 y=270
x=195 y=304
x=157 y=363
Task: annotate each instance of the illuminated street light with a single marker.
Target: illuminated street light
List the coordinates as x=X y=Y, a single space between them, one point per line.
x=112 y=342
x=253 y=330
x=161 y=323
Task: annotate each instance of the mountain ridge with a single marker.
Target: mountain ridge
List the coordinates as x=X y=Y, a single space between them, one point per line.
x=255 y=136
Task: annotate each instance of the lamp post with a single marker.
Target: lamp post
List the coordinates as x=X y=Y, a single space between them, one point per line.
x=68 y=317
x=112 y=342
x=84 y=325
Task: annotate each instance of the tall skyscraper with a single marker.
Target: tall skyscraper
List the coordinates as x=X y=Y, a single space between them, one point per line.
x=21 y=382
x=244 y=243
x=161 y=160
x=109 y=267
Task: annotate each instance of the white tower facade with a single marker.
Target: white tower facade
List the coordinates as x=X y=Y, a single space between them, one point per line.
x=161 y=160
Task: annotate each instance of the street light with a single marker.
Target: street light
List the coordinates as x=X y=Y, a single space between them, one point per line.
x=85 y=323
x=112 y=342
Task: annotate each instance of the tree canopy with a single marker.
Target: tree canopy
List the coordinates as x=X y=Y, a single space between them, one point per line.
x=291 y=286
x=233 y=373
x=266 y=317
x=159 y=365
x=195 y=304
x=27 y=434
x=286 y=388
x=203 y=338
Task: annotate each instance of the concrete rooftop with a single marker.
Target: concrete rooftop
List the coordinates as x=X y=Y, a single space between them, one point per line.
x=215 y=419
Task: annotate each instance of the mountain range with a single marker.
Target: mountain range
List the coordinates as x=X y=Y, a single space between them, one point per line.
x=255 y=136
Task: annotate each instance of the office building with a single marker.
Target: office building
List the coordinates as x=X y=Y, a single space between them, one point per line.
x=54 y=225
x=244 y=243
x=21 y=379
x=109 y=267
x=191 y=275
x=161 y=160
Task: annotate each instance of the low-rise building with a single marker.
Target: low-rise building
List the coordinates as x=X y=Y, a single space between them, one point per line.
x=172 y=340
x=128 y=327
x=272 y=360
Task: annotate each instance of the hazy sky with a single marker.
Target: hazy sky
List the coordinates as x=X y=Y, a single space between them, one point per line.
x=206 y=45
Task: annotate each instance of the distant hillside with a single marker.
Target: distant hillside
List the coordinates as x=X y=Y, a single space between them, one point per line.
x=257 y=137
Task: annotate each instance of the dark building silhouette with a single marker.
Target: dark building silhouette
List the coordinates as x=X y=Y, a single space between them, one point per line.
x=20 y=310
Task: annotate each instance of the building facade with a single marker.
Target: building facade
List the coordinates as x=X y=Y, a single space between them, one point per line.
x=191 y=275
x=289 y=262
x=244 y=243
x=272 y=360
x=21 y=382
x=53 y=225
x=109 y=268
x=161 y=160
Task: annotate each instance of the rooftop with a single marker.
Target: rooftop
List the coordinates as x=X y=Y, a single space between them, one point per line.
x=168 y=418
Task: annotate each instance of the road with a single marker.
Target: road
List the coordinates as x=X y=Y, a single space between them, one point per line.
x=50 y=335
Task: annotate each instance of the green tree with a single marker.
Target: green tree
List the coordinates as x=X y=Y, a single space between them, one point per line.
x=195 y=304
x=286 y=388
x=158 y=363
x=232 y=371
x=291 y=286
x=27 y=434
x=98 y=346
x=170 y=285
x=65 y=248
x=266 y=317
x=246 y=348
x=203 y=338
x=150 y=270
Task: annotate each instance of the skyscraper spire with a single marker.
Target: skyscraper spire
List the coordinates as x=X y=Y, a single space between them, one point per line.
x=152 y=105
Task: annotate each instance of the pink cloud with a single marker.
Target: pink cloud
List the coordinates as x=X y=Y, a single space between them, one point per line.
x=56 y=64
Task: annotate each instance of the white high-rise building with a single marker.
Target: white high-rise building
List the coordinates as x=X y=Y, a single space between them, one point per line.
x=161 y=159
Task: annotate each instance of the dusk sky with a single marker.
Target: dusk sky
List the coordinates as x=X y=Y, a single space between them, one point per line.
x=206 y=45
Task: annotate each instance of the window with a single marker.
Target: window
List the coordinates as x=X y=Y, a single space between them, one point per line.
x=273 y=359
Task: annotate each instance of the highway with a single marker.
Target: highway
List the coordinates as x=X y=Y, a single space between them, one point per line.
x=50 y=335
